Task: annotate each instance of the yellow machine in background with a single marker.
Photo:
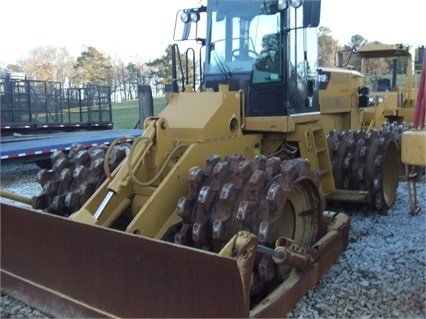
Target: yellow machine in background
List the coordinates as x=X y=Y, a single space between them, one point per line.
x=221 y=208
x=355 y=105
x=357 y=101
x=362 y=159
x=391 y=96
x=414 y=143
x=394 y=98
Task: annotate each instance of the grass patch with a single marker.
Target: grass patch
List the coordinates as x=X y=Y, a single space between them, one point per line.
x=125 y=115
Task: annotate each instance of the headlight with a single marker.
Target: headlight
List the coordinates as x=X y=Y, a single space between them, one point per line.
x=184 y=17
x=375 y=100
x=194 y=16
x=282 y=4
x=296 y=3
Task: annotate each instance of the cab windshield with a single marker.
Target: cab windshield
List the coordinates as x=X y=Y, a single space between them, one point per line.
x=243 y=37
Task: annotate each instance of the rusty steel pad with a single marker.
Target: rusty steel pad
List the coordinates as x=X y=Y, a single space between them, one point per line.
x=74 y=177
x=358 y=163
x=262 y=196
x=79 y=270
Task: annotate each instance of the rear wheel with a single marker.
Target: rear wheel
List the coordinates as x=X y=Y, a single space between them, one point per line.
x=367 y=162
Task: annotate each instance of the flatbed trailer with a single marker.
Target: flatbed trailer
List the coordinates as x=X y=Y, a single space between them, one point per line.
x=38 y=147
x=43 y=107
x=39 y=118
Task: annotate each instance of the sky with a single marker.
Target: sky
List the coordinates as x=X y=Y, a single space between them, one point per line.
x=140 y=30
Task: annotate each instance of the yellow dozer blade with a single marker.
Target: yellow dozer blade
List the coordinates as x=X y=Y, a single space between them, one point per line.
x=69 y=269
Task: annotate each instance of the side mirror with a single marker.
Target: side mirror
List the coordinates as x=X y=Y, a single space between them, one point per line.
x=311 y=13
x=340 y=59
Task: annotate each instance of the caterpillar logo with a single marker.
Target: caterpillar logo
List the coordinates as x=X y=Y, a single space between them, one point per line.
x=324 y=79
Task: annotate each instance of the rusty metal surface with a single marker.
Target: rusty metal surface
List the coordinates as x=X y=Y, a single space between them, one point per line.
x=108 y=273
x=265 y=196
x=116 y=273
x=70 y=269
x=146 y=283
x=74 y=177
x=288 y=293
x=53 y=305
x=368 y=162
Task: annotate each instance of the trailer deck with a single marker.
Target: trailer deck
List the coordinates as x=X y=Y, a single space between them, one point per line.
x=37 y=147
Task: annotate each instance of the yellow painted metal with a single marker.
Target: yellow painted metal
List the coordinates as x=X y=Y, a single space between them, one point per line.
x=398 y=103
x=156 y=211
x=187 y=131
x=339 y=103
x=183 y=136
x=339 y=96
x=311 y=139
x=191 y=119
x=413 y=147
x=20 y=198
x=281 y=124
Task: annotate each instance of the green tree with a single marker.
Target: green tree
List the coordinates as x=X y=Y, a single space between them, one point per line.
x=160 y=70
x=349 y=51
x=93 y=67
x=356 y=41
x=349 y=58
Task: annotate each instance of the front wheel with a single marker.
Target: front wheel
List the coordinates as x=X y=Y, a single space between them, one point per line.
x=270 y=198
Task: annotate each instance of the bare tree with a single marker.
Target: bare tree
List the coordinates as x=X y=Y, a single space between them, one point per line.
x=133 y=80
x=143 y=73
x=10 y=68
x=117 y=80
x=126 y=78
x=49 y=64
x=327 y=48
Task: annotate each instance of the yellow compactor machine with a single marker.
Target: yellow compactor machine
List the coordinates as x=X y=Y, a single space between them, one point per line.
x=391 y=95
x=221 y=207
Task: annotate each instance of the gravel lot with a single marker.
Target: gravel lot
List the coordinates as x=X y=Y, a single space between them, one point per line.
x=382 y=273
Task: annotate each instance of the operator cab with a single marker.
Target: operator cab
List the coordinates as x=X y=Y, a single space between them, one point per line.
x=267 y=48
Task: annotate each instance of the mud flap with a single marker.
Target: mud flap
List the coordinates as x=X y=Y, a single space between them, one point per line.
x=70 y=269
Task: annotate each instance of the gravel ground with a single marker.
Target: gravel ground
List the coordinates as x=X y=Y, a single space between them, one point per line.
x=381 y=274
